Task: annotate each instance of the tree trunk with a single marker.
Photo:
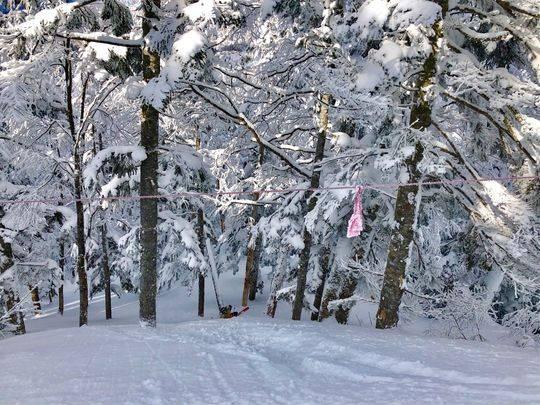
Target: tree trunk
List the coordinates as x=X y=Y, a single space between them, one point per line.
x=312 y=202
x=34 y=292
x=81 y=244
x=78 y=186
x=277 y=283
x=61 y=263
x=254 y=271
x=407 y=200
x=106 y=272
x=330 y=294
x=200 y=234
x=202 y=244
x=347 y=290
x=324 y=261
x=252 y=259
x=149 y=181
x=16 y=317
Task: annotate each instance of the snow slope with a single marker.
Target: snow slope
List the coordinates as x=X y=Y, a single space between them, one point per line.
x=250 y=359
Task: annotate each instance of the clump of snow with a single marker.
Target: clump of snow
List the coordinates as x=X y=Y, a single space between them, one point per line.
x=137 y=153
x=202 y=10
x=186 y=46
x=46 y=20
x=413 y=12
x=373 y=13
x=104 y=52
x=133 y=87
x=389 y=55
x=183 y=50
x=344 y=140
x=267 y=6
x=370 y=77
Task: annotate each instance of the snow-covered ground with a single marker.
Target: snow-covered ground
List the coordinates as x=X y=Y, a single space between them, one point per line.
x=250 y=359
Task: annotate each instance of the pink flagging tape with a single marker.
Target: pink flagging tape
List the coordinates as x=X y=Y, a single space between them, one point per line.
x=372 y=186
x=356 y=221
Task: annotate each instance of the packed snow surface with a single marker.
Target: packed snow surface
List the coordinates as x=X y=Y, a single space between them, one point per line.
x=250 y=359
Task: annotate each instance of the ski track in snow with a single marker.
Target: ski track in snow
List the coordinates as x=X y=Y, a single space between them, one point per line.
x=250 y=359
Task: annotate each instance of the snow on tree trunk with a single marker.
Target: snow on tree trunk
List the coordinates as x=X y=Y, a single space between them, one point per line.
x=149 y=180
x=407 y=201
x=312 y=202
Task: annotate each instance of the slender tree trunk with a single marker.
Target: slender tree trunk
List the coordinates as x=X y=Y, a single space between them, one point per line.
x=106 y=272
x=202 y=246
x=149 y=181
x=324 y=261
x=254 y=270
x=407 y=200
x=34 y=292
x=81 y=244
x=61 y=263
x=78 y=185
x=277 y=283
x=252 y=258
x=312 y=202
x=202 y=243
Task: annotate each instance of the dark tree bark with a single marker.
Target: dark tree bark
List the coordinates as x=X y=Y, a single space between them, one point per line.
x=78 y=188
x=254 y=270
x=200 y=234
x=407 y=196
x=149 y=180
x=324 y=261
x=61 y=264
x=106 y=272
x=202 y=242
x=312 y=202
x=81 y=244
x=51 y=295
x=252 y=259
x=347 y=290
x=34 y=292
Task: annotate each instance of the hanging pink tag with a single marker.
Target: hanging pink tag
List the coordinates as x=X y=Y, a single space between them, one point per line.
x=356 y=222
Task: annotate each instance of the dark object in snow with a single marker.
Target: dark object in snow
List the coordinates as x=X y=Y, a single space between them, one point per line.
x=230 y=312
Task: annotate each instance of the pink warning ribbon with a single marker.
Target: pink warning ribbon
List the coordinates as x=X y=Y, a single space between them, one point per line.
x=356 y=221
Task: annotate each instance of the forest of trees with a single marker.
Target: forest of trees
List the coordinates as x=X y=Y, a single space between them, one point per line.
x=146 y=145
